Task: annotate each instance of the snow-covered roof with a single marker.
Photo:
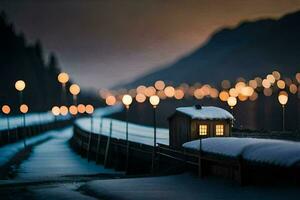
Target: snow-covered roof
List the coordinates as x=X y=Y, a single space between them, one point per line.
x=277 y=152
x=205 y=112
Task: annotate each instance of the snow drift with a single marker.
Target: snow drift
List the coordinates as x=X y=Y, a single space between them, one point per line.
x=270 y=151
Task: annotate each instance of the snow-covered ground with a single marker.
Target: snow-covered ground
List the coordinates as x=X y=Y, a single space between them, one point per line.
x=185 y=187
x=136 y=133
x=31 y=119
x=278 y=152
x=7 y=152
x=55 y=158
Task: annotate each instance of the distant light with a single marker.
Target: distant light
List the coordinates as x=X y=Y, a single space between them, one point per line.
x=293 y=88
x=223 y=96
x=55 y=110
x=24 y=108
x=141 y=98
x=110 y=100
x=6 y=109
x=154 y=100
x=266 y=83
x=283 y=98
x=179 y=94
x=253 y=84
x=247 y=91
x=288 y=81
x=159 y=85
x=271 y=78
x=198 y=93
x=254 y=96
x=239 y=86
x=280 y=84
x=242 y=97
x=214 y=93
x=63 y=110
x=150 y=91
x=127 y=100
x=20 y=85
x=81 y=108
x=258 y=81
x=161 y=94
x=298 y=77
x=74 y=89
x=63 y=77
x=276 y=75
x=232 y=101
x=169 y=91
x=225 y=84
x=89 y=109
x=73 y=110
x=268 y=92
x=233 y=92
x=141 y=89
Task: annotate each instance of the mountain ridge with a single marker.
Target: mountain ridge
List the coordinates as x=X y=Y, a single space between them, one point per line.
x=259 y=40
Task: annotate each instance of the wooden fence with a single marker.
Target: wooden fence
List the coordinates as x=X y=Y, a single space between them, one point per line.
x=16 y=134
x=112 y=152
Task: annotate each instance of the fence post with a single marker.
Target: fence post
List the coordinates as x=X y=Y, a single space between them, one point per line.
x=99 y=141
x=90 y=138
x=107 y=145
x=200 y=163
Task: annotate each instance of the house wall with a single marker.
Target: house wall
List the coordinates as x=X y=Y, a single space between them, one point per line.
x=179 y=129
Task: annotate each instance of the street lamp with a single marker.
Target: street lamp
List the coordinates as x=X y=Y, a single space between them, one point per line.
x=63 y=78
x=55 y=111
x=89 y=109
x=154 y=101
x=24 y=110
x=6 y=111
x=283 y=99
x=20 y=86
x=232 y=101
x=74 y=90
x=127 y=100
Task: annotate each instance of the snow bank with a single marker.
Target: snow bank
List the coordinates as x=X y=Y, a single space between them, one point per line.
x=136 y=133
x=278 y=152
x=186 y=187
x=206 y=112
x=7 y=152
x=31 y=119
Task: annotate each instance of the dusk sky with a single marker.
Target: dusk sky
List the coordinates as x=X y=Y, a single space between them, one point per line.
x=103 y=43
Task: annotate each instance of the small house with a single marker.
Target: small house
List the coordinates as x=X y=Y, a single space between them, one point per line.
x=191 y=123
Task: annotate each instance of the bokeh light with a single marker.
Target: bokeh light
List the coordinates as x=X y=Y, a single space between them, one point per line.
x=64 y=110
x=110 y=100
x=24 y=108
x=159 y=85
x=141 y=98
x=6 y=109
x=55 y=110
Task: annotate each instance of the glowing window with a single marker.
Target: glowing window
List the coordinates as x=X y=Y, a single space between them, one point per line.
x=202 y=129
x=220 y=129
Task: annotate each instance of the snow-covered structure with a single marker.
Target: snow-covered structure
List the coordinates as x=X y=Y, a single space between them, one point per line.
x=191 y=123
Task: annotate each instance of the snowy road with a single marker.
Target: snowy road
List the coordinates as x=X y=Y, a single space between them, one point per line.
x=55 y=158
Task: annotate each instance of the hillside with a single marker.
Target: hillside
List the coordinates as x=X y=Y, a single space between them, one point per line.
x=250 y=49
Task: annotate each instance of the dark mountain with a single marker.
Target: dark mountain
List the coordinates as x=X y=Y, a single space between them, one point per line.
x=20 y=60
x=248 y=50
x=251 y=49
